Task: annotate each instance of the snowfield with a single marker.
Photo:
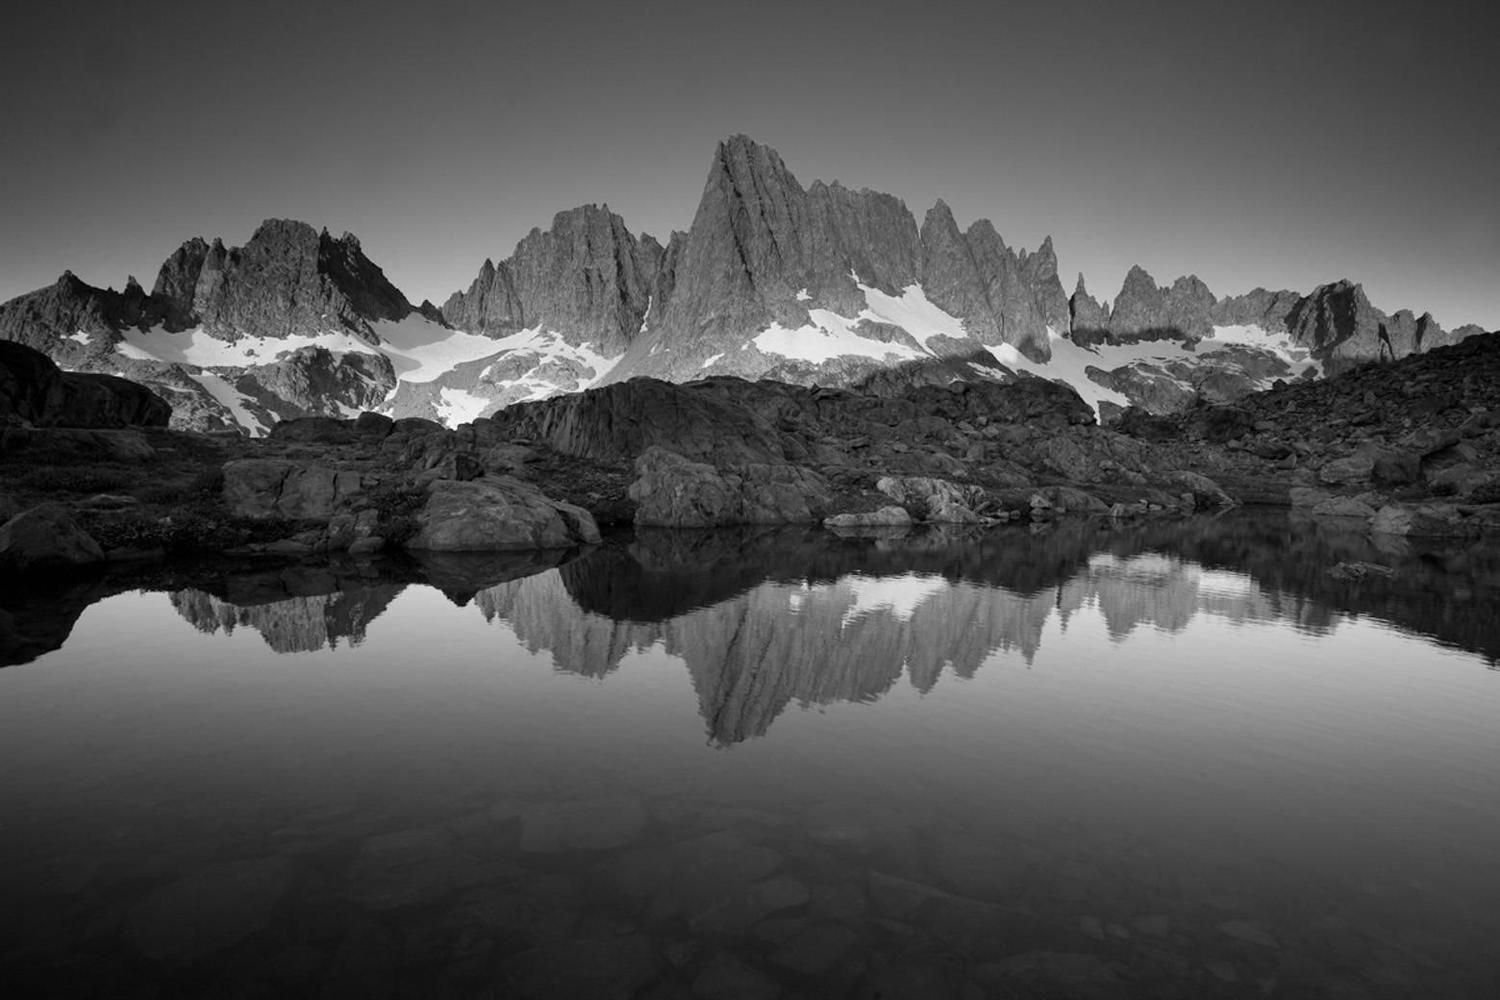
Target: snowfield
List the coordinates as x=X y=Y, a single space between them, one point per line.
x=232 y=400
x=459 y=406
x=830 y=335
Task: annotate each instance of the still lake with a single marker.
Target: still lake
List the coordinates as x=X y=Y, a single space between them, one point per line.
x=1223 y=757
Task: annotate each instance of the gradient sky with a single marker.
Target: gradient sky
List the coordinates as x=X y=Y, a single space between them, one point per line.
x=1251 y=143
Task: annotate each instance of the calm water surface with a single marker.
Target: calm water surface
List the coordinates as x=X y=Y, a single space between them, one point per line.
x=1205 y=759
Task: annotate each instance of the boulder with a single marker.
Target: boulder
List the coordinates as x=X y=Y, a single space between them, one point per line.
x=1428 y=440
x=319 y=430
x=46 y=538
x=1396 y=468
x=1307 y=496
x=935 y=500
x=495 y=514
x=1204 y=490
x=1344 y=507
x=1347 y=470
x=373 y=425
x=702 y=422
x=1430 y=520
x=885 y=517
x=1069 y=499
x=415 y=426
x=268 y=487
x=1360 y=571
x=674 y=492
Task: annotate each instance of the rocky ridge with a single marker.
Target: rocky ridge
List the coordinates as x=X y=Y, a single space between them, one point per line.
x=816 y=285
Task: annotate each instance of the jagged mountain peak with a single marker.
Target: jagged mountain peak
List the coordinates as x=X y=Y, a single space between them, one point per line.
x=587 y=279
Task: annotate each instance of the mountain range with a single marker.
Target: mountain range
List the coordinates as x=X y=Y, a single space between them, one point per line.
x=811 y=285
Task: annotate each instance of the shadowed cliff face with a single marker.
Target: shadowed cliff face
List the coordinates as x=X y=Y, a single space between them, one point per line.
x=764 y=619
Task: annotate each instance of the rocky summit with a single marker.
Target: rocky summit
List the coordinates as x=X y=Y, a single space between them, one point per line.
x=813 y=285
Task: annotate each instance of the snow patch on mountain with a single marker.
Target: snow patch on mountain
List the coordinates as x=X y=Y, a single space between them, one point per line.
x=1279 y=344
x=829 y=336
x=548 y=348
x=1070 y=364
x=913 y=312
x=458 y=406
x=422 y=350
x=236 y=402
x=196 y=348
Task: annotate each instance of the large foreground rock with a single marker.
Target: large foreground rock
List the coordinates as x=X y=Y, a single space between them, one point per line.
x=45 y=538
x=497 y=514
x=267 y=487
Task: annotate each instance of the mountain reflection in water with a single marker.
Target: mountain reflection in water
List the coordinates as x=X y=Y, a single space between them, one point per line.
x=765 y=618
x=1235 y=757
x=770 y=616
x=736 y=603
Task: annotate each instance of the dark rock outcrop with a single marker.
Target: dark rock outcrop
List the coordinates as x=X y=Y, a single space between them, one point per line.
x=34 y=390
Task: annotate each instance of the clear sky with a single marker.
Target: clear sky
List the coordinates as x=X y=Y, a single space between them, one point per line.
x=1251 y=143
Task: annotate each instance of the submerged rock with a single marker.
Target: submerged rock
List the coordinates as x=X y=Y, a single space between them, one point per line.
x=207 y=911
x=589 y=825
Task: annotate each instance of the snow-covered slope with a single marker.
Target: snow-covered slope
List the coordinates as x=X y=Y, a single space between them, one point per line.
x=423 y=369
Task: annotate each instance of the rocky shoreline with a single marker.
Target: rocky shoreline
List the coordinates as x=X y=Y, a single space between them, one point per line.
x=1410 y=447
